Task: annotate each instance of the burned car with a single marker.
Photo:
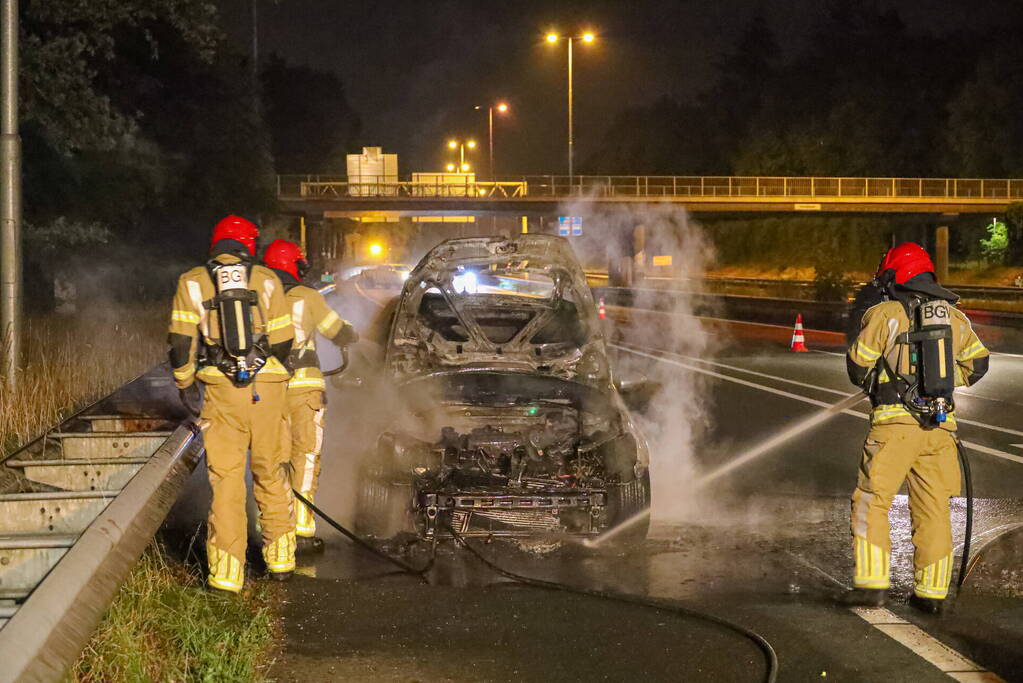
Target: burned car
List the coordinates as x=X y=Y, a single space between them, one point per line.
x=508 y=418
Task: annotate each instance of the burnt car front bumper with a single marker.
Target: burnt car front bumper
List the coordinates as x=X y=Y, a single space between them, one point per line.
x=512 y=513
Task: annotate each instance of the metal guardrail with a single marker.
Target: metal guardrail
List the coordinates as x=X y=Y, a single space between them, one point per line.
x=79 y=506
x=695 y=187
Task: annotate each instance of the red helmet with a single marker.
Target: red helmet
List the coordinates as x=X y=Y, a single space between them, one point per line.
x=908 y=260
x=286 y=256
x=236 y=228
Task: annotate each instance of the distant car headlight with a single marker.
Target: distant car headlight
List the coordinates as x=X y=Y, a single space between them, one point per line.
x=466 y=283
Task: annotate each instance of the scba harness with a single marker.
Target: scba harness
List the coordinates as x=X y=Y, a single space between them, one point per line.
x=926 y=391
x=240 y=355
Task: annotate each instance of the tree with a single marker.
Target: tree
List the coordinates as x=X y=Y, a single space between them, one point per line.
x=312 y=125
x=66 y=43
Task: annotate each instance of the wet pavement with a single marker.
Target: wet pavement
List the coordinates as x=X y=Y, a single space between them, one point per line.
x=766 y=545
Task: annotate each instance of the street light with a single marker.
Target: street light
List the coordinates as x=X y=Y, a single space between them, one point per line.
x=587 y=37
x=502 y=108
x=461 y=145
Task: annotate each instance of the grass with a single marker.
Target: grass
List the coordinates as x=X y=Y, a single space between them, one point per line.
x=69 y=362
x=162 y=626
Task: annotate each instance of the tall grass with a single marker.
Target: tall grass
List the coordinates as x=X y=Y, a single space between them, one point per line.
x=163 y=626
x=69 y=362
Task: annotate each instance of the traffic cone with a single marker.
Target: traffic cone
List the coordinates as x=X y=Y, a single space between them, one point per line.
x=601 y=310
x=798 y=341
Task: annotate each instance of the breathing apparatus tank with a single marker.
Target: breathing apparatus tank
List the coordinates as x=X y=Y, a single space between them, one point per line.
x=930 y=343
x=240 y=355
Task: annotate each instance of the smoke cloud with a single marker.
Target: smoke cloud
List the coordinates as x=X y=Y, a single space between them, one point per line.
x=626 y=239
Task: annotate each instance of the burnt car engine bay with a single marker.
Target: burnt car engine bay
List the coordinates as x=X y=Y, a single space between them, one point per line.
x=510 y=422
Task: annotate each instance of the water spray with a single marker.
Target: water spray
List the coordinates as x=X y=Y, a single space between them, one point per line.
x=755 y=452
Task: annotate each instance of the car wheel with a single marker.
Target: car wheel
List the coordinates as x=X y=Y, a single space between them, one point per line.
x=625 y=501
x=382 y=506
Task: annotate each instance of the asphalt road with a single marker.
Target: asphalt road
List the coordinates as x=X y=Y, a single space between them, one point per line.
x=765 y=544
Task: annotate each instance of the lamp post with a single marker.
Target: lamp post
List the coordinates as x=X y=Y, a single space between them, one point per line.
x=461 y=146
x=552 y=39
x=10 y=199
x=501 y=107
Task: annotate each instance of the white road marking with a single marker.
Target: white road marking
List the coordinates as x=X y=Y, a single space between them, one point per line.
x=930 y=649
x=935 y=652
x=816 y=387
x=1016 y=445
x=796 y=397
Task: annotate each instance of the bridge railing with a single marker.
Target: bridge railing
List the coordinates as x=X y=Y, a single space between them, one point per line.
x=810 y=187
x=327 y=187
x=703 y=187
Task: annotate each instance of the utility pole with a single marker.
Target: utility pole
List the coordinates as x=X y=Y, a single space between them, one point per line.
x=255 y=41
x=10 y=198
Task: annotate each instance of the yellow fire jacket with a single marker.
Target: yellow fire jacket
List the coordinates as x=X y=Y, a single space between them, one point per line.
x=310 y=314
x=192 y=323
x=878 y=331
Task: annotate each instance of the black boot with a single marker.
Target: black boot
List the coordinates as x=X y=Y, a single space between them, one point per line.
x=281 y=576
x=308 y=545
x=926 y=605
x=864 y=597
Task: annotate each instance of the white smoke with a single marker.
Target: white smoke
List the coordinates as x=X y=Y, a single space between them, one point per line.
x=676 y=419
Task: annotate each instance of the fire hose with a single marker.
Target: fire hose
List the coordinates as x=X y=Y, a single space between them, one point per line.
x=762 y=643
x=964 y=463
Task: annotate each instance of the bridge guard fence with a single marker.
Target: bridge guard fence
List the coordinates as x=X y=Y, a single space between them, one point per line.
x=708 y=187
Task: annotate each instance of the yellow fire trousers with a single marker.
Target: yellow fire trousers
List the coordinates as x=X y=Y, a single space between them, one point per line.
x=305 y=413
x=233 y=423
x=926 y=460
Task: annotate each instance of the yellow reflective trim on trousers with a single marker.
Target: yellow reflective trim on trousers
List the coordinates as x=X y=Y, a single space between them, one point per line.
x=872 y=565
x=185 y=317
x=933 y=580
x=327 y=322
x=226 y=572
x=305 y=522
x=279 y=323
x=280 y=554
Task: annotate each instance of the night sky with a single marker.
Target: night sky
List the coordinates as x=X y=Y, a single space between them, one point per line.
x=414 y=70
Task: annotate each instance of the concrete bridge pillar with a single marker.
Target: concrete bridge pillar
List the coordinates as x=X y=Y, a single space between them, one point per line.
x=941 y=253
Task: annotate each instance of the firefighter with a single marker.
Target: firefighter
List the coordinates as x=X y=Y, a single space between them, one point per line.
x=306 y=389
x=913 y=348
x=231 y=331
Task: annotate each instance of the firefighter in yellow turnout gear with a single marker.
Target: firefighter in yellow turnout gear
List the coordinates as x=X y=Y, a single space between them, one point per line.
x=310 y=315
x=911 y=351
x=231 y=331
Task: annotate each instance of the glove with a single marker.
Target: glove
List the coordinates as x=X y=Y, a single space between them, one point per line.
x=347 y=336
x=191 y=398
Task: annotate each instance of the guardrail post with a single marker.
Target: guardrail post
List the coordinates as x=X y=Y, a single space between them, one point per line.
x=813 y=186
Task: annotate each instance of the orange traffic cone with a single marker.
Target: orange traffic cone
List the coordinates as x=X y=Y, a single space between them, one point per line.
x=601 y=310
x=798 y=341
